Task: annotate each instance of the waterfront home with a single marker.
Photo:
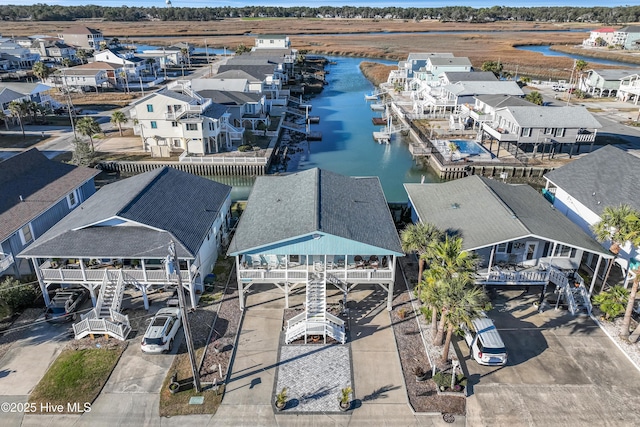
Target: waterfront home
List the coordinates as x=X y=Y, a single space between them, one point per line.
x=177 y=119
x=583 y=188
x=247 y=110
x=534 y=129
x=36 y=193
x=272 y=41
x=520 y=238
x=233 y=80
x=629 y=88
x=121 y=236
x=132 y=66
x=600 y=37
x=605 y=82
x=91 y=76
x=451 y=96
x=627 y=37
x=17 y=57
x=407 y=68
x=484 y=107
x=316 y=229
x=272 y=75
x=82 y=37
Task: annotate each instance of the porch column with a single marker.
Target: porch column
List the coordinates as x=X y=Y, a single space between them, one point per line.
x=493 y=251
x=43 y=286
x=84 y=273
x=595 y=275
x=192 y=295
x=144 y=270
x=391 y=283
x=144 y=297
x=286 y=294
x=92 y=292
x=240 y=290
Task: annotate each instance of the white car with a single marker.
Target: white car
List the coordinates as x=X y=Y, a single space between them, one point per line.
x=485 y=343
x=162 y=331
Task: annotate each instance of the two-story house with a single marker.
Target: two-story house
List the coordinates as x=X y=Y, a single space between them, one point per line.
x=92 y=75
x=18 y=57
x=272 y=41
x=544 y=130
x=36 y=194
x=246 y=109
x=122 y=235
x=583 y=188
x=629 y=89
x=485 y=106
x=605 y=82
x=52 y=49
x=600 y=37
x=178 y=119
x=132 y=65
x=82 y=37
x=628 y=37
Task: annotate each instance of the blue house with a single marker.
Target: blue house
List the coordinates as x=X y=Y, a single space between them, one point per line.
x=36 y=194
x=316 y=229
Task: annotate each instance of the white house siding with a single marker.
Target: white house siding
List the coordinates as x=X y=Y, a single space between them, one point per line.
x=210 y=248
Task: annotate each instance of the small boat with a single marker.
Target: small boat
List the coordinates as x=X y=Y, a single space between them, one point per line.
x=379 y=121
x=372 y=97
x=377 y=106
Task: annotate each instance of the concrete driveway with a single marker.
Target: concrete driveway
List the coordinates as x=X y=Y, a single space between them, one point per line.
x=562 y=370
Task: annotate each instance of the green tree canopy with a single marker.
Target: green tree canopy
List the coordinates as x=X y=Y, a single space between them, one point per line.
x=534 y=97
x=88 y=126
x=118 y=118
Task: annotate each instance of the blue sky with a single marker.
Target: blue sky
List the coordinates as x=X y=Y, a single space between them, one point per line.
x=316 y=3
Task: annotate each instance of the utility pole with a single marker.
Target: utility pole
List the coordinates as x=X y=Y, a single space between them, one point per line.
x=69 y=104
x=173 y=267
x=570 y=90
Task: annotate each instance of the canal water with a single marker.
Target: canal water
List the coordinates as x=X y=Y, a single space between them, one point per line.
x=347 y=145
x=546 y=51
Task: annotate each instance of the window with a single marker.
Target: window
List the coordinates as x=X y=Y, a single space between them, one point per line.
x=154 y=125
x=501 y=248
x=72 y=199
x=191 y=126
x=560 y=132
x=25 y=234
x=174 y=124
x=176 y=142
x=149 y=108
x=548 y=131
x=563 y=251
x=525 y=132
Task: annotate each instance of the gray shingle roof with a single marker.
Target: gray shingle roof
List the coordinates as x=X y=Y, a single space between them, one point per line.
x=440 y=61
x=260 y=72
x=551 y=117
x=233 y=74
x=171 y=203
x=8 y=95
x=485 y=212
x=41 y=183
x=225 y=97
x=616 y=74
x=606 y=177
x=284 y=207
x=485 y=88
x=215 y=111
x=469 y=76
x=497 y=101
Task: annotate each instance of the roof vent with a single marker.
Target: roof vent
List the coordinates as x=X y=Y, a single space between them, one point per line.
x=455 y=206
x=21 y=198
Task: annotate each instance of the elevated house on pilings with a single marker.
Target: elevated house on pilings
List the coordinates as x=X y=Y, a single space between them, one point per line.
x=316 y=229
x=521 y=239
x=120 y=237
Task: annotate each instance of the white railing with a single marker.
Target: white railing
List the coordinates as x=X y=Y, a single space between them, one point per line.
x=341 y=274
x=118 y=294
x=585 y=137
x=6 y=262
x=100 y=301
x=230 y=160
x=75 y=275
x=118 y=317
x=335 y=320
x=295 y=319
x=101 y=326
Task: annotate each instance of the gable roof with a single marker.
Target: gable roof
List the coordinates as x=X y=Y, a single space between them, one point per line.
x=227 y=97
x=159 y=205
x=441 y=61
x=605 y=177
x=604 y=30
x=40 y=182
x=97 y=65
x=485 y=88
x=485 y=212
x=79 y=29
x=259 y=72
x=630 y=29
x=498 y=101
x=285 y=207
x=470 y=76
x=7 y=95
x=535 y=116
x=232 y=74
x=615 y=74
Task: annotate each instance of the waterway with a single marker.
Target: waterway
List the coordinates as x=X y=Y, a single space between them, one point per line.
x=347 y=145
x=546 y=51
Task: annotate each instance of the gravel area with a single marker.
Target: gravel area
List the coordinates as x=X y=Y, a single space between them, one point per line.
x=222 y=341
x=314 y=376
x=413 y=344
x=613 y=329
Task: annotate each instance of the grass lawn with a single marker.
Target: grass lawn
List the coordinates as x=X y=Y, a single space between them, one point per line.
x=76 y=376
x=178 y=403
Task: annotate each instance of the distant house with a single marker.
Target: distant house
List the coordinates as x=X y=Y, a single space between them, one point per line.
x=605 y=82
x=36 y=194
x=16 y=56
x=407 y=68
x=18 y=91
x=53 y=49
x=82 y=37
x=583 y=188
x=89 y=76
x=520 y=239
x=132 y=65
x=547 y=130
x=272 y=41
x=121 y=236
x=600 y=37
x=178 y=119
x=629 y=89
x=628 y=37
x=336 y=232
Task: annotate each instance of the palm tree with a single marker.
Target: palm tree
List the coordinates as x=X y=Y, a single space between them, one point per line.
x=118 y=118
x=632 y=234
x=88 y=126
x=432 y=295
x=418 y=238
x=614 y=226
x=580 y=66
x=82 y=55
x=41 y=71
x=4 y=118
x=534 y=97
x=19 y=110
x=466 y=302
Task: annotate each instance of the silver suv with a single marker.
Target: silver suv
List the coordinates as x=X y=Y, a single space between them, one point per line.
x=162 y=331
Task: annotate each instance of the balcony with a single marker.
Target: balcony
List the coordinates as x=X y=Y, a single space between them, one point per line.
x=6 y=262
x=499 y=133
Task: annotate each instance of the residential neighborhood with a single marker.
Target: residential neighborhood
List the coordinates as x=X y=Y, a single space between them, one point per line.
x=196 y=236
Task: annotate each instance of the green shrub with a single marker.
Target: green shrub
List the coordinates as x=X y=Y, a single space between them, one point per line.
x=426 y=312
x=612 y=302
x=16 y=295
x=442 y=380
x=245 y=147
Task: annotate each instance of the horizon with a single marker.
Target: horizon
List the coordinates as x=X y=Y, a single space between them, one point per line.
x=476 y=4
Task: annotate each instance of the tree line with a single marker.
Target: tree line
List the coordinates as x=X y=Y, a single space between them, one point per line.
x=45 y=12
